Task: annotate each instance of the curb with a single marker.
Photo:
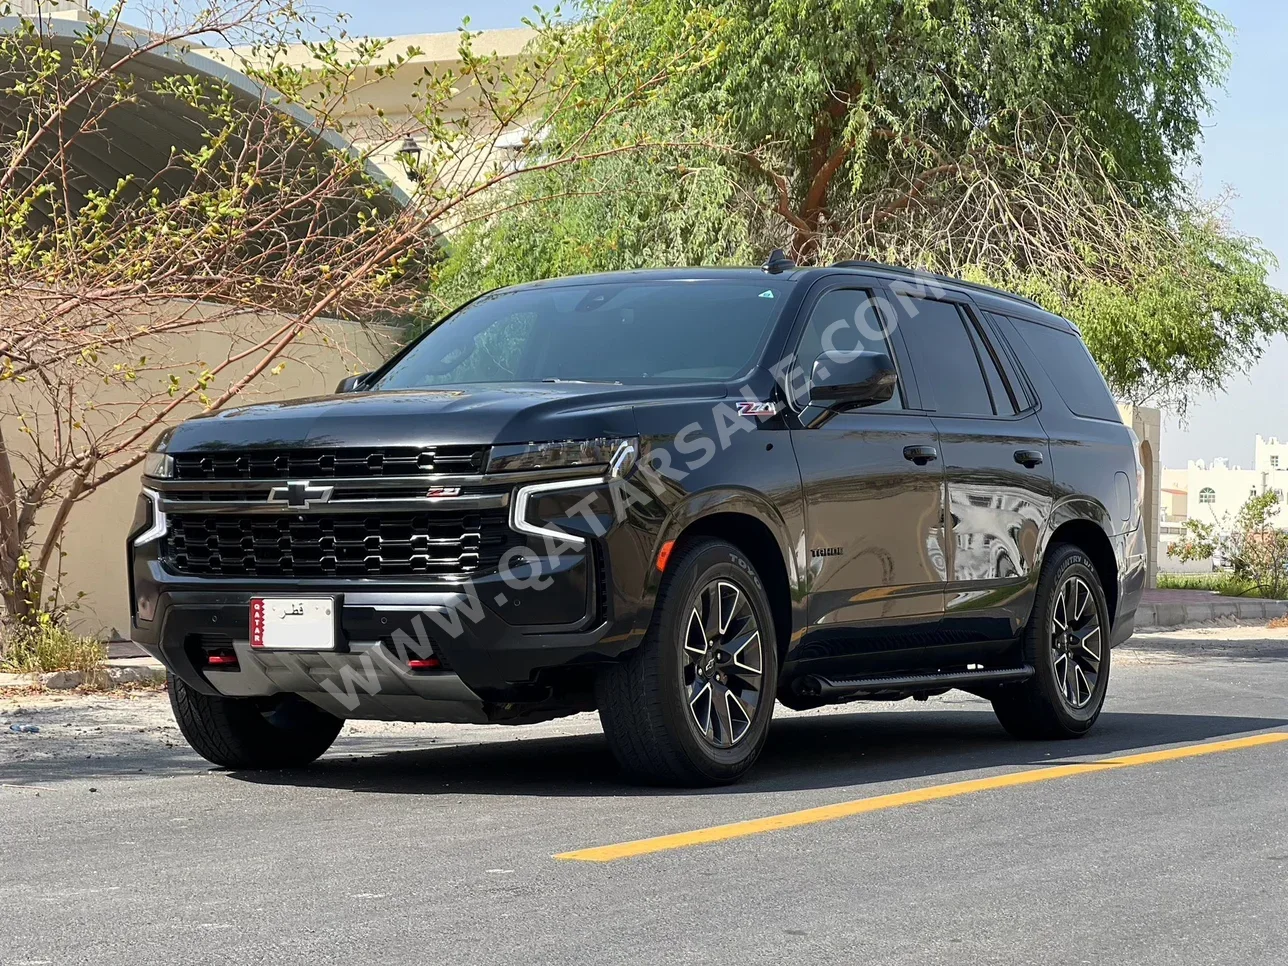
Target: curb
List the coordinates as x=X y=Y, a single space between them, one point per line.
x=100 y=679
x=1168 y=614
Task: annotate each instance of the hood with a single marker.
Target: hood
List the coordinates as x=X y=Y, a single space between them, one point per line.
x=472 y=415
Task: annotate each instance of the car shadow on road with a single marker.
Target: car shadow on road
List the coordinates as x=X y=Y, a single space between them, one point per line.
x=812 y=752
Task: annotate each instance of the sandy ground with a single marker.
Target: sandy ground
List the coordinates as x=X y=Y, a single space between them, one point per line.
x=130 y=724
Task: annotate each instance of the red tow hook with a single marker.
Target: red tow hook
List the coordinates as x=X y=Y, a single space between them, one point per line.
x=423 y=663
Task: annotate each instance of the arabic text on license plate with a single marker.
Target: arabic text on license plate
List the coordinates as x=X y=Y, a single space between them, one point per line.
x=293 y=623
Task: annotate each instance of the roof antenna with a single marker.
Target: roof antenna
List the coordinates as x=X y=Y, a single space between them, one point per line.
x=777 y=263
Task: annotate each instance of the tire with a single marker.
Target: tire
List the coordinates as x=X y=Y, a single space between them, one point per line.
x=1061 y=700
x=284 y=731
x=659 y=724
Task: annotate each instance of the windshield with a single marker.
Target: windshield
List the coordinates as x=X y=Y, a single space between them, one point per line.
x=635 y=331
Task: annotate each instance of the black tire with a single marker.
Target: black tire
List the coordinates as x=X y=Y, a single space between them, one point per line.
x=1042 y=708
x=284 y=731
x=643 y=702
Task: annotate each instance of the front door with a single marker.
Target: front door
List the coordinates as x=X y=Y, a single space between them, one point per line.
x=997 y=466
x=873 y=487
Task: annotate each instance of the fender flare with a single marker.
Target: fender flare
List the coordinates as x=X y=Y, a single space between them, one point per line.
x=703 y=504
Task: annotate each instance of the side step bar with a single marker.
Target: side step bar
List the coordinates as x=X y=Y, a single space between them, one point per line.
x=830 y=689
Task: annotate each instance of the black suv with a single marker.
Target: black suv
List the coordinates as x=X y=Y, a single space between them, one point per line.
x=671 y=496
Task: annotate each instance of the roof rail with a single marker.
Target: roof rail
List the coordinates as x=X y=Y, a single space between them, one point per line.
x=913 y=272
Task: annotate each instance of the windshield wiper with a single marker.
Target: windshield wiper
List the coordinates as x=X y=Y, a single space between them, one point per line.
x=586 y=382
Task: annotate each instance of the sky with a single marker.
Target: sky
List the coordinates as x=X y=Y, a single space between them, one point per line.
x=1245 y=150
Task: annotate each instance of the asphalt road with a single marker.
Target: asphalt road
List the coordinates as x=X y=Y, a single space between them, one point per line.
x=436 y=845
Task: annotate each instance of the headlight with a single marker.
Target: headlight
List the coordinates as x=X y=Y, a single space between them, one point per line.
x=618 y=454
x=160 y=465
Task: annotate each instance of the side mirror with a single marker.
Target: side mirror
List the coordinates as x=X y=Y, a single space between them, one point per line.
x=852 y=381
x=353 y=383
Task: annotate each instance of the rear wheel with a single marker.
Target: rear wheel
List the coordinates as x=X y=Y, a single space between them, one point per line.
x=692 y=705
x=1067 y=642
x=284 y=731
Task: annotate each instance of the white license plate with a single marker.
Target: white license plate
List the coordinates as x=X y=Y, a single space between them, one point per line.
x=293 y=623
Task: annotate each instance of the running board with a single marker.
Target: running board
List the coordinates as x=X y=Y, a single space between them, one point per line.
x=828 y=688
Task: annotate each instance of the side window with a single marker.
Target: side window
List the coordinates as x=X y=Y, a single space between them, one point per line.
x=1003 y=405
x=1070 y=367
x=846 y=321
x=1007 y=361
x=946 y=353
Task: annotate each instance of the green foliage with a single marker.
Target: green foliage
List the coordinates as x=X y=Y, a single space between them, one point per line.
x=1032 y=145
x=1256 y=548
x=135 y=300
x=45 y=645
x=1224 y=583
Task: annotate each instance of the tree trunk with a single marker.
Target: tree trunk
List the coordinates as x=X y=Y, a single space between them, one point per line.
x=10 y=537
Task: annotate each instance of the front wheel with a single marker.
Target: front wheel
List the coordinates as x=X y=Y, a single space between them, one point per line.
x=283 y=731
x=1067 y=642
x=692 y=705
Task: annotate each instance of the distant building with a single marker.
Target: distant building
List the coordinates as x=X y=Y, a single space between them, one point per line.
x=1215 y=491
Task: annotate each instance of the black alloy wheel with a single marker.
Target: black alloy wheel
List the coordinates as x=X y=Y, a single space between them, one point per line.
x=723 y=668
x=1077 y=642
x=1067 y=642
x=693 y=703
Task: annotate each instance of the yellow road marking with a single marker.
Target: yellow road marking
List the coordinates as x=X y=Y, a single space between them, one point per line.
x=829 y=813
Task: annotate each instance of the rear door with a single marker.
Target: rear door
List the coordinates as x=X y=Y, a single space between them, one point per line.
x=873 y=513
x=997 y=468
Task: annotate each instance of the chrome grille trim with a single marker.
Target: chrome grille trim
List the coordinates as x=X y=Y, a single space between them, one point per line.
x=380 y=482
x=329 y=462
x=482 y=501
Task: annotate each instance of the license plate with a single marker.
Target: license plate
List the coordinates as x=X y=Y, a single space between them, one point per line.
x=293 y=623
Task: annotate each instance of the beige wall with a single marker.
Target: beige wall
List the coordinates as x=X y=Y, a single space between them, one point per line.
x=378 y=111
x=93 y=559
x=1147 y=424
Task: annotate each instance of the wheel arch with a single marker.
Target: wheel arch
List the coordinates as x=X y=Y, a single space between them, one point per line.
x=1089 y=536
x=754 y=527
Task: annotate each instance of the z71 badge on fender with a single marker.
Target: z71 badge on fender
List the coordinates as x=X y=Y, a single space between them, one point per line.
x=750 y=407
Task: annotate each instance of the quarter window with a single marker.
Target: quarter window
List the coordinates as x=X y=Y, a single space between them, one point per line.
x=1071 y=368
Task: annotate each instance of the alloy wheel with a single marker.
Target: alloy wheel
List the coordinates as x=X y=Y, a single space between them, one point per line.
x=723 y=667
x=1077 y=642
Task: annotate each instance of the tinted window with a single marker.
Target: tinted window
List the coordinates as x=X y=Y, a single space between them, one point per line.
x=1003 y=355
x=1002 y=403
x=1070 y=367
x=637 y=331
x=844 y=321
x=946 y=359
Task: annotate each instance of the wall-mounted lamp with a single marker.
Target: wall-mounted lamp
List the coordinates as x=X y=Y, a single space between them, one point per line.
x=409 y=157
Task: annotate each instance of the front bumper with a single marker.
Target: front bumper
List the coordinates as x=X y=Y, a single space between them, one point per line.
x=489 y=657
x=501 y=647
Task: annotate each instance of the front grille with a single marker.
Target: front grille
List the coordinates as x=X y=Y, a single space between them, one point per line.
x=442 y=542
x=307 y=464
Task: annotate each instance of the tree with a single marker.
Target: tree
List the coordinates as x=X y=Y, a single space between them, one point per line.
x=1036 y=146
x=1256 y=549
x=259 y=224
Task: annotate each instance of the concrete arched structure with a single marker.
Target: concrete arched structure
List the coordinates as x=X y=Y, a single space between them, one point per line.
x=136 y=139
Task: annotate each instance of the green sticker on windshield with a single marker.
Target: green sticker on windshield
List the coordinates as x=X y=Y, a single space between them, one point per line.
x=767 y=294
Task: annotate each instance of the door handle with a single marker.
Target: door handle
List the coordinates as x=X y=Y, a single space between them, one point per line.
x=1028 y=457
x=921 y=455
